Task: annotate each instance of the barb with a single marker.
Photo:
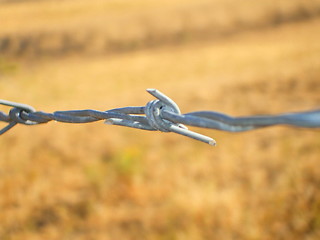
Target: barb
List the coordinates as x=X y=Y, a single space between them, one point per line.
x=161 y=114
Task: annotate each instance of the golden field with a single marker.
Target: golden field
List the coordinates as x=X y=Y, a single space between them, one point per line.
x=101 y=182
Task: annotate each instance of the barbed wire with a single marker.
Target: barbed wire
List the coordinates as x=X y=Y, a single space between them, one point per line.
x=161 y=114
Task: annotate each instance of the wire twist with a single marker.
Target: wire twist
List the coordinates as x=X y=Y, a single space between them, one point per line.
x=161 y=114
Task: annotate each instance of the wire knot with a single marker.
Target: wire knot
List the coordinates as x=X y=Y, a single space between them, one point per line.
x=14 y=116
x=153 y=111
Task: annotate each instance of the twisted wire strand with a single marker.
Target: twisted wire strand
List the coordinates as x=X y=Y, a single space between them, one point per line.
x=162 y=114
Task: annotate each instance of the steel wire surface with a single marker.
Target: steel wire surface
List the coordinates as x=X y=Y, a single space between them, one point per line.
x=162 y=114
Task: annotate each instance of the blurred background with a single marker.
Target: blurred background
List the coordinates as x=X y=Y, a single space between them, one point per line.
x=100 y=182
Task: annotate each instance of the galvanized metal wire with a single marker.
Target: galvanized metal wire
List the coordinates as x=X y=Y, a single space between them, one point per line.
x=161 y=114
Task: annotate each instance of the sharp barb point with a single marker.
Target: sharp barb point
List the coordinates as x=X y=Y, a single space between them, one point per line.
x=151 y=90
x=213 y=143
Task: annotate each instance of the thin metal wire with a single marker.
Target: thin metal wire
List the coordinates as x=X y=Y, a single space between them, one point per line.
x=162 y=114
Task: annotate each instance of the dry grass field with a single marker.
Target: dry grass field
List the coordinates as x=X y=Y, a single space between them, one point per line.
x=100 y=182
